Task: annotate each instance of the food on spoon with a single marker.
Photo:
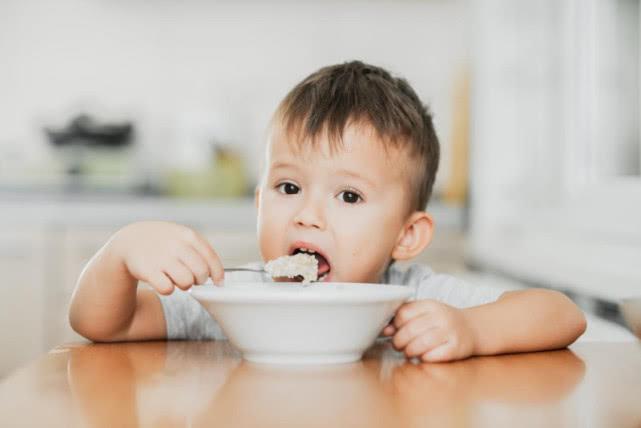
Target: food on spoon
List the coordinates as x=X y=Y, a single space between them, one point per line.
x=300 y=264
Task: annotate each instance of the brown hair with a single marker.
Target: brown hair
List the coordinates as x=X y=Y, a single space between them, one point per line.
x=335 y=96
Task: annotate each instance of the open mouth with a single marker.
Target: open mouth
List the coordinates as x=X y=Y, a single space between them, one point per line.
x=323 y=264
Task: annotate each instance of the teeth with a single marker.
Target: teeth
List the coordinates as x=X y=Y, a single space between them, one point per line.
x=306 y=250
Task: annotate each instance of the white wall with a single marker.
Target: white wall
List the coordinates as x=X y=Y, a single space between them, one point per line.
x=220 y=66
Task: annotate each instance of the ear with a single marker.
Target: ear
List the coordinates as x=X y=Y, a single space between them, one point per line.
x=257 y=196
x=415 y=235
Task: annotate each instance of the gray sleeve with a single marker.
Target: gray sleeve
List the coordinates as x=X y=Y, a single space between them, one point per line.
x=187 y=319
x=444 y=288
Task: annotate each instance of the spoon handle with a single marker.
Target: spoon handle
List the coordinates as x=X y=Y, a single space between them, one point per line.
x=244 y=270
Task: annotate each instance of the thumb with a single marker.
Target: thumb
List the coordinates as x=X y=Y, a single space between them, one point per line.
x=389 y=330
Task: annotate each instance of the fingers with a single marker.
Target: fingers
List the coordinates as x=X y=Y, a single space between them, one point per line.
x=410 y=330
x=205 y=250
x=196 y=264
x=180 y=275
x=389 y=330
x=161 y=283
x=439 y=354
x=419 y=336
x=412 y=310
x=432 y=331
x=424 y=343
x=166 y=254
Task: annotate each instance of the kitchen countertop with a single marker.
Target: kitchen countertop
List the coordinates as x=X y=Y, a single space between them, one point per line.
x=97 y=210
x=206 y=383
x=106 y=209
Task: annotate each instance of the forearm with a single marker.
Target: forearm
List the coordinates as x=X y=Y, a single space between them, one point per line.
x=104 y=301
x=527 y=320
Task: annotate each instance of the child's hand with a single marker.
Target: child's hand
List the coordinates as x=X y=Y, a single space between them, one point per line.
x=166 y=255
x=431 y=331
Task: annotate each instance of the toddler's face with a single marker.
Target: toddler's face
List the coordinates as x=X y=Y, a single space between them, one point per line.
x=349 y=205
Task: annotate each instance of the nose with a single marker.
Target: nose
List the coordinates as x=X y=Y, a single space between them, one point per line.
x=311 y=214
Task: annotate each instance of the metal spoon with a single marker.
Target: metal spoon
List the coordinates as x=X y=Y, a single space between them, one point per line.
x=245 y=270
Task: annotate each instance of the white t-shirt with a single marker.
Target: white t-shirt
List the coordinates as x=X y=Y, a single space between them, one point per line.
x=187 y=319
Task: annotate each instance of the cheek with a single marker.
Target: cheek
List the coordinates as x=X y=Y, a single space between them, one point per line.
x=271 y=224
x=367 y=239
x=373 y=225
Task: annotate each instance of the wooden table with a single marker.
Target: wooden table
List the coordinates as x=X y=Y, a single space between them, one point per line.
x=169 y=384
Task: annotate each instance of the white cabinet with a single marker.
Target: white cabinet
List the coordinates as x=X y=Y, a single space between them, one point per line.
x=75 y=245
x=22 y=301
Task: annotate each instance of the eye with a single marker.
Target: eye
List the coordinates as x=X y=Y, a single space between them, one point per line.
x=349 y=197
x=288 y=188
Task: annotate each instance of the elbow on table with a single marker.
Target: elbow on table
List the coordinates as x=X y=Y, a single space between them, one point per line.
x=567 y=319
x=90 y=330
x=576 y=322
x=581 y=324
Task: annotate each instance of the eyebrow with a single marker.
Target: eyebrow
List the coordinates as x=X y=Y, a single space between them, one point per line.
x=357 y=176
x=281 y=164
x=344 y=172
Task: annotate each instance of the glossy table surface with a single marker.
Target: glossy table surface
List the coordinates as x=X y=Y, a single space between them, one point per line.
x=174 y=384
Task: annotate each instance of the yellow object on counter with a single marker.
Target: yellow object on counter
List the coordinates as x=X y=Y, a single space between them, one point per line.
x=226 y=177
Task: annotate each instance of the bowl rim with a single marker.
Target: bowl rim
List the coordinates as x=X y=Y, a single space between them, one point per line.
x=293 y=293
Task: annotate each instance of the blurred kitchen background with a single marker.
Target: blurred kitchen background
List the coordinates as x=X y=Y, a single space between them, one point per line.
x=113 y=111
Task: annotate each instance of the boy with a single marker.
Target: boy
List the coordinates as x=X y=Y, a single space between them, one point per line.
x=349 y=168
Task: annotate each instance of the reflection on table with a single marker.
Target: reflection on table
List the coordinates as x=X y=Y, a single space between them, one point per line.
x=204 y=383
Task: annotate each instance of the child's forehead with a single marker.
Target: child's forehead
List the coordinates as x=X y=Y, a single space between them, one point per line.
x=359 y=152
x=357 y=139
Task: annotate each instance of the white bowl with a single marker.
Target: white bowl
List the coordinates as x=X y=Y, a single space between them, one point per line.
x=285 y=323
